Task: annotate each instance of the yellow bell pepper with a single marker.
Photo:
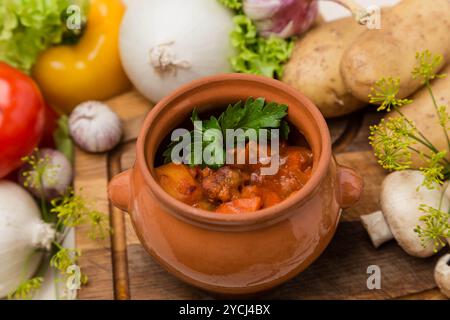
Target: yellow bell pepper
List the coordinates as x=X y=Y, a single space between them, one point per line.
x=90 y=69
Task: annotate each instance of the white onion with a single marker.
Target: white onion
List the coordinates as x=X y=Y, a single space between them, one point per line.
x=165 y=44
x=22 y=231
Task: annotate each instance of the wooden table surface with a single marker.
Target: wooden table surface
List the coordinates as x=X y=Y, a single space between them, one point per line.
x=119 y=268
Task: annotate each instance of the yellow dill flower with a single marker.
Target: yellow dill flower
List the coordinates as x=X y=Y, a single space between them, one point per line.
x=385 y=92
x=427 y=64
x=435 y=227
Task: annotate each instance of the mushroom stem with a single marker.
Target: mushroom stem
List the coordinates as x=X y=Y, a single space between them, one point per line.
x=377 y=228
x=361 y=15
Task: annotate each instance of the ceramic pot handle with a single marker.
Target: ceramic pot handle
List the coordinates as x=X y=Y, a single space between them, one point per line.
x=119 y=190
x=350 y=186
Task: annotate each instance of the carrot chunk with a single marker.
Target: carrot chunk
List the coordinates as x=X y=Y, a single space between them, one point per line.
x=240 y=205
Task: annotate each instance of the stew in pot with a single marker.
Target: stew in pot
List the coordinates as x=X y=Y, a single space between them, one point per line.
x=238 y=188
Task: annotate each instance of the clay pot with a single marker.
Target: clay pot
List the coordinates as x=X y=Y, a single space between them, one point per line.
x=237 y=254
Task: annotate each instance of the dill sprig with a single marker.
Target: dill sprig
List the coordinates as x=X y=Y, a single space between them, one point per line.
x=40 y=168
x=64 y=258
x=385 y=92
x=444 y=117
x=397 y=138
x=27 y=289
x=69 y=210
x=436 y=227
x=65 y=261
x=72 y=210
x=391 y=141
x=434 y=172
x=427 y=64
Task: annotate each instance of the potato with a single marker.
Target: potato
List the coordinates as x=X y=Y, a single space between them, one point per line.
x=176 y=180
x=423 y=113
x=314 y=67
x=411 y=26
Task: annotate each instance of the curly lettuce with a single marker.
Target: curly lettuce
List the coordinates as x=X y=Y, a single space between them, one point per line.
x=27 y=27
x=232 y=4
x=254 y=53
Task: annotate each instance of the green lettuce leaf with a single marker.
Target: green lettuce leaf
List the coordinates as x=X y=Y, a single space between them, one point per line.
x=254 y=53
x=232 y=4
x=27 y=27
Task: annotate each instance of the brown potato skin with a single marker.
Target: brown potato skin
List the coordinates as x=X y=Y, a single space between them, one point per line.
x=411 y=26
x=423 y=113
x=314 y=67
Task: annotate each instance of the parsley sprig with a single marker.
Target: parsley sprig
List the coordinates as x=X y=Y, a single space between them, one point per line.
x=253 y=114
x=395 y=140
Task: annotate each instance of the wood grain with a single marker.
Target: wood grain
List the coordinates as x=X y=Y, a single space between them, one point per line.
x=106 y=262
x=91 y=179
x=118 y=241
x=120 y=268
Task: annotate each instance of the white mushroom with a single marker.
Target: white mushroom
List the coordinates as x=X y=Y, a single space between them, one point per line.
x=95 y=127
x=442 y=275
x=400 y=201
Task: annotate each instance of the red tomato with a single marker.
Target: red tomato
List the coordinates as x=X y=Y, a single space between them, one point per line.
x=21 y=117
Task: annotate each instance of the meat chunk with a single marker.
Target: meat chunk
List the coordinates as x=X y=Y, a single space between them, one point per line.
x=223 y=185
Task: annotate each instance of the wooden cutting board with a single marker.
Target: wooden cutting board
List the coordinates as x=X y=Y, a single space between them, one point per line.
x=119 y=267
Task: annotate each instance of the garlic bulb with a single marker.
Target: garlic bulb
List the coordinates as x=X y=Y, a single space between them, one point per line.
x=22 y=231
x=95 y=127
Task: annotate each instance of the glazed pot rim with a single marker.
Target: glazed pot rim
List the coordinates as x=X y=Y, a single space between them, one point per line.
x=202 y=216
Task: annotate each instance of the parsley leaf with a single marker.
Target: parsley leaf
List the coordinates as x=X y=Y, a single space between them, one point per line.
x=232 y=116
x=260 y=114
x=254 y=114
x=284 y=129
